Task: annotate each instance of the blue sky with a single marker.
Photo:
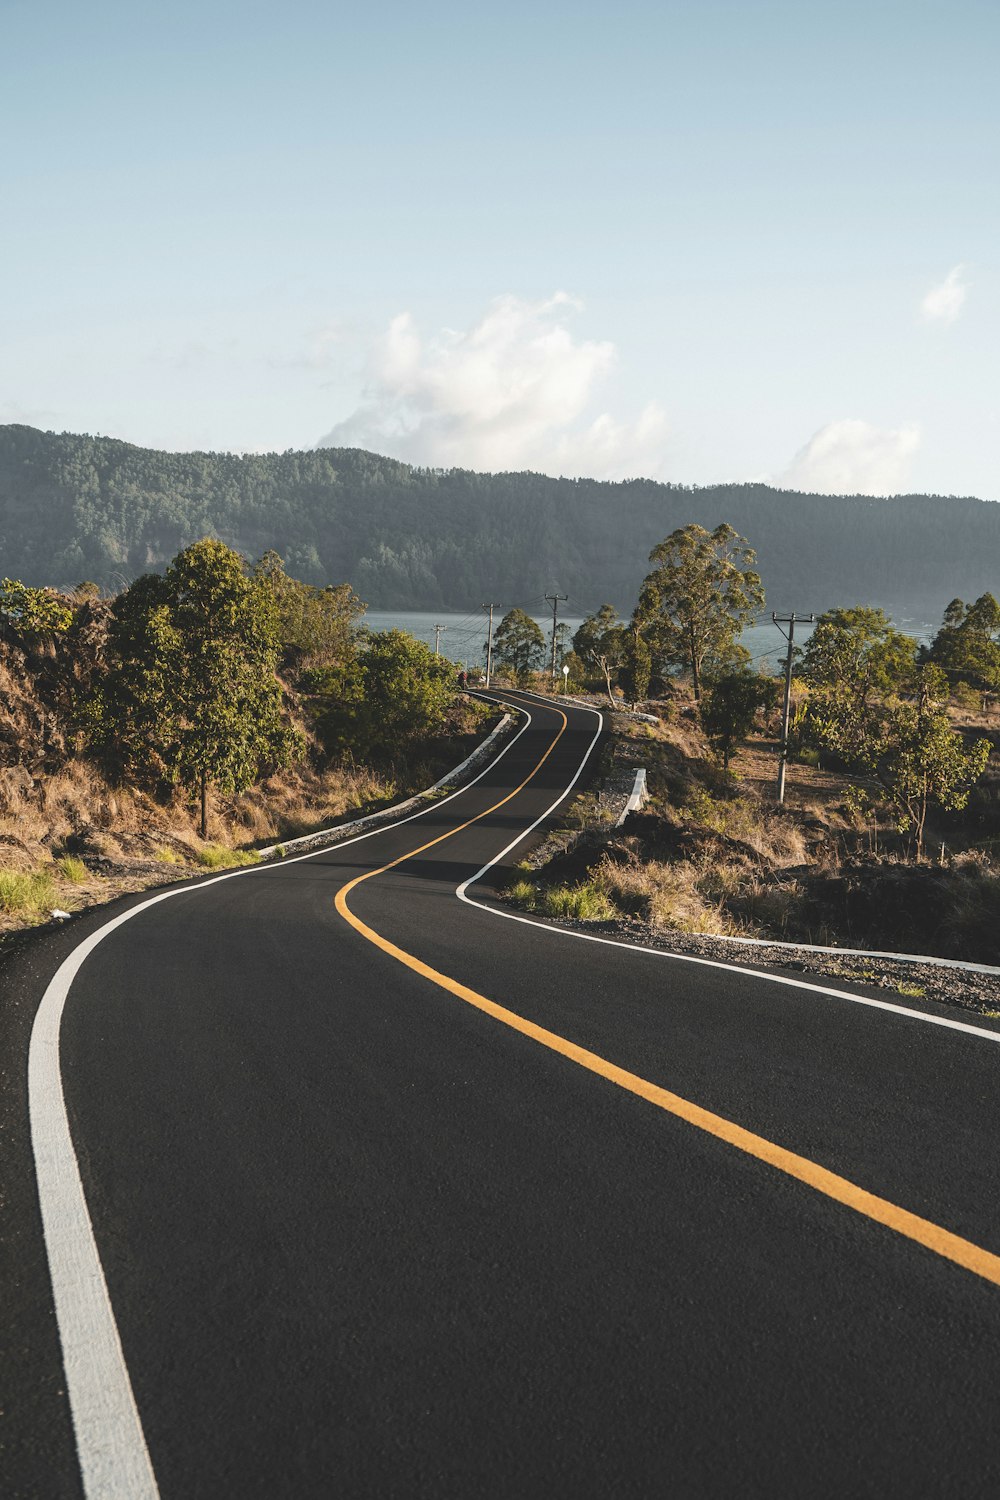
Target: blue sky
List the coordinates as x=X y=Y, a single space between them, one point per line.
x=700 y=241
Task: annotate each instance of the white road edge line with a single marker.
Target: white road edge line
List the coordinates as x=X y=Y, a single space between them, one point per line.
x=111 y=1446
x=461 y=892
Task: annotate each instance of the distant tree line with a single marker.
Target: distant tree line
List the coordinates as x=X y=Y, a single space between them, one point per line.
x=83 y=507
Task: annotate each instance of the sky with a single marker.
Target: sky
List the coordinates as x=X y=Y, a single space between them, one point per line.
x=710 y=241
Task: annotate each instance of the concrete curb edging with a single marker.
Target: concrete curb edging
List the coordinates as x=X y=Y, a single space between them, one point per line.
x=638 y=797
x=387 y=814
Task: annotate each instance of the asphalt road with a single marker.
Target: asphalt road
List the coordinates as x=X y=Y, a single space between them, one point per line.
x=382 y=1211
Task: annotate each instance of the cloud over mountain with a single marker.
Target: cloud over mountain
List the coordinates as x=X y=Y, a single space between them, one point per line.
x=851 y=457
x=514 y=391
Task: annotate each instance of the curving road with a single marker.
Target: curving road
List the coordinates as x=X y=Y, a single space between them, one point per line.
x=397 y=1194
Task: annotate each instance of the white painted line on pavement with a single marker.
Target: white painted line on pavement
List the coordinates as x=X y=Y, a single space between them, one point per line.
x=111 y=1446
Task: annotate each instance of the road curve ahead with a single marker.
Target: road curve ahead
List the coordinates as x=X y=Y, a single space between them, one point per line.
x=397 y=1195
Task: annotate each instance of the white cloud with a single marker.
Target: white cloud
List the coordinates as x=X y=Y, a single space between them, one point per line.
x=853 y=458
x=511 y=392
x=943 y=303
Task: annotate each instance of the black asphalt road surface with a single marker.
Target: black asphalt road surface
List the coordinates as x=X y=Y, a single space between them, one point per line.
x=362 y=1239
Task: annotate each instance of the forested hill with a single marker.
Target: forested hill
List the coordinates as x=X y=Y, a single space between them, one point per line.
x=76 y=507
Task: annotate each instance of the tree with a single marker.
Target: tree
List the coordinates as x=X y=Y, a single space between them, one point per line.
x=518 y=644
x=858 y=655
x=601 y=643
x=636 y=668
x=192 y=686
x=912 y=751
x=700 y=595
x=316 y=626
x=395 y=692
x=734 y=701
x=967 y=646
x=34 y=614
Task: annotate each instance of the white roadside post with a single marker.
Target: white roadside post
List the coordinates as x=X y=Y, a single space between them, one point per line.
x=565 y=678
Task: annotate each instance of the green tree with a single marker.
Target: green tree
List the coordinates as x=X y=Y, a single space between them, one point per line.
x=636 y=668
x=730 y=712
x=857 y=654
x=34 y=614
x=911 y=750
x=396 y=692
x=316 y=626
x=518 y=644
x=701 y=594
x=967 y=646
x=192 y=686
x=601 y=643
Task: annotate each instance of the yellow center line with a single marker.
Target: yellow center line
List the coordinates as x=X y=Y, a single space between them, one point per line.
x=932 y=1236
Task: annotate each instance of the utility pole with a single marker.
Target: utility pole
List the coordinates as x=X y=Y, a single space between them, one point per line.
x=791 y=621
x=554 y=600
x=437 y=638
x=489 y=642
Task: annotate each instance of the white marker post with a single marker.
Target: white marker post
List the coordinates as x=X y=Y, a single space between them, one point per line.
x=565 y=678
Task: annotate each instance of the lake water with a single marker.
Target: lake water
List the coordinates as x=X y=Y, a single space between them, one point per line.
x=463 y=637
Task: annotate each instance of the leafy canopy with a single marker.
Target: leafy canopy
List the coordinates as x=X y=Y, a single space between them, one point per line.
x=702 y=592
x=858 y=654
x=601 y=643
x=316 y=626
x=518 y=644
x=734 y=701
x=393 y=694
x=33 y=614
x=967 y=647
x=191 y=691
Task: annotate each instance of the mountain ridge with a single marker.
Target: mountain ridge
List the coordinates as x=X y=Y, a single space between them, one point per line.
x=73 y=506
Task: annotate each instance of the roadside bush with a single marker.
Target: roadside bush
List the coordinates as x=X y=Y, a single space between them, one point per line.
x=26 y=895
x=218 y=857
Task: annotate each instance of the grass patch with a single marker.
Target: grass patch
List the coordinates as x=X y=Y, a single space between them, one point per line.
x=914 y=991
x=686 y=896
x=219 y=857
x=168 y=856
x=72 y=869
x=587 y=902
x=26 y=895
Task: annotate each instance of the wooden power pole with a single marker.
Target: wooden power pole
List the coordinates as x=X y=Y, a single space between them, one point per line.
x=791 y=621
x=489 y=643
x=437 y=638
x=554 y=600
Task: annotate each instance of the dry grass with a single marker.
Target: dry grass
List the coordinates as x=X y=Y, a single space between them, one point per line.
x=774 y=838
x=684 y=895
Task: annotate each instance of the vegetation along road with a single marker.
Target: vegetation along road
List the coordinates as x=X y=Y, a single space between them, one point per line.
x=396 y=1194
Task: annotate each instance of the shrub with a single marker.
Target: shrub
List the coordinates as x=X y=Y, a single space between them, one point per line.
x=588 y=902
x=26 y=895
x=72 y=869
x=168 y=856
x=218 y=857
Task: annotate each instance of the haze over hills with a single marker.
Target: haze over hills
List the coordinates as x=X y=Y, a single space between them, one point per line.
x=75 y=507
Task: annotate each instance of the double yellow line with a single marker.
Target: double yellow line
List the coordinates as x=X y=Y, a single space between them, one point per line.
x=941 y=1241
